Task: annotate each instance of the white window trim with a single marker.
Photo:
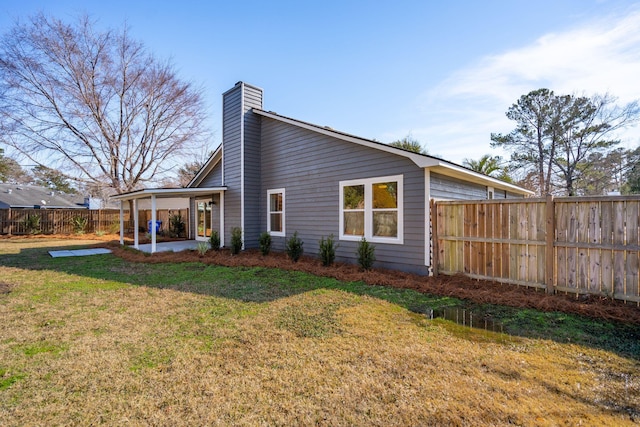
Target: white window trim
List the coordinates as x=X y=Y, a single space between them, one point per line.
x=269 y=193
x=491 y=193
x=368 y=210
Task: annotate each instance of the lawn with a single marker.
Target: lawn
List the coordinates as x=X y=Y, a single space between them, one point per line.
x=100 y=340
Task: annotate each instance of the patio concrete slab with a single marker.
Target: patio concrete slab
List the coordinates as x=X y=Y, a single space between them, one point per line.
x=79 y=252
x=170 y=246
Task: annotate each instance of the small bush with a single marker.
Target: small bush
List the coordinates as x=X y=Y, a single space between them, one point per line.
x=202 y=248
x=327 y=250
x=366 y=254
x=114 y=227
x=100 y=233
x=214 y=240
x=236 y=240
x=265 y=243
x=32 y=224
x=177 y=226
x=294 y=247
x=79 y=224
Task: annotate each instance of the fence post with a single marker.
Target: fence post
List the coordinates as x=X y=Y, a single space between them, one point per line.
x=10 y=221
x=433 y=210
x=549 y=240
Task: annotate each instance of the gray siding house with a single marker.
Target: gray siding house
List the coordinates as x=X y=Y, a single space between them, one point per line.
x=281 y=175
x=278 y=174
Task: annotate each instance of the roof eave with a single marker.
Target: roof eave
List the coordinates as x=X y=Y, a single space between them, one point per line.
x=167 y=192
x=456 y=171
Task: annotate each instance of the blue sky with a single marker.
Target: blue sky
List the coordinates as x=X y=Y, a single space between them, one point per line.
x=443 y=72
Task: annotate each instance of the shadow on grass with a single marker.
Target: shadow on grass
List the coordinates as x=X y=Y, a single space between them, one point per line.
x=259 y=285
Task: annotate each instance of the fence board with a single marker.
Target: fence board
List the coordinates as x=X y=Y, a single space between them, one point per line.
x=582 y=236
x=505 y=259
x=618 y=256
x=631 y=285
x=606 y=255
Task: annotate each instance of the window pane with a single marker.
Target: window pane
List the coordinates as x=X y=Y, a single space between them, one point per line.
x=276 y=222
x=354 y=223
x=275 y=202
x=385 y=195
x=385 y=224
x=354 y=197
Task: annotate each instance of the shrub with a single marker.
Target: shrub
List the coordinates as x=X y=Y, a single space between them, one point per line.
x=202 y=248
x=294 y=247
x=366 y=254
x=327 y=250
x=100 y=233
x=236 y=240
x=32 y=224
x=177 y=225
x=79 y=224
x=265 y=243
x=214 y=240
x=114 y=227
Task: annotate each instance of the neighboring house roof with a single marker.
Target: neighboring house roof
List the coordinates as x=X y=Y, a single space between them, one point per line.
x=422 y=160
x=30 y=196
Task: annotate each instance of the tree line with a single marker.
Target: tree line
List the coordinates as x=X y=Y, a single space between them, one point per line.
x=568 y=144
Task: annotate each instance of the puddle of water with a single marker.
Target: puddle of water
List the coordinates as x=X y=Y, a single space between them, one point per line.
x=462 y=317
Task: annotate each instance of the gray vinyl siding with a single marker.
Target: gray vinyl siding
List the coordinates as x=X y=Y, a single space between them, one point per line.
x=310 y=166
x=252 y=169
x=231 y=117
x=446 y=187
x=214 y=178
x=510 y=195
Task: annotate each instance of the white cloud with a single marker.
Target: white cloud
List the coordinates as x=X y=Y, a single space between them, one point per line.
x=600 y=56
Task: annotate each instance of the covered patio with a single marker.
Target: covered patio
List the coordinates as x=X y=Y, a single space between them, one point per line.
x=205 y=195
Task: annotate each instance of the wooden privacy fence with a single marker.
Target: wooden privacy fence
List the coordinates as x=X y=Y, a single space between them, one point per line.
x=62 y=221
x=581 y=245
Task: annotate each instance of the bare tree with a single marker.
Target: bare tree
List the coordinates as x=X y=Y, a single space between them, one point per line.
x=588 y=135
x=94 y=104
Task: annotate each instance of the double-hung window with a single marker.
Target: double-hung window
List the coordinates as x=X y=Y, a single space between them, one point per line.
x=372 y=208
x=275 y=212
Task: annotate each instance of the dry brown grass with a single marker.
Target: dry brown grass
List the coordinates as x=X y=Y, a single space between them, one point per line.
x=111 y=353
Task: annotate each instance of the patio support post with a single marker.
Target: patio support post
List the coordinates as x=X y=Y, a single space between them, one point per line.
x=153 y=223
x=136 y=225
x=121 y=223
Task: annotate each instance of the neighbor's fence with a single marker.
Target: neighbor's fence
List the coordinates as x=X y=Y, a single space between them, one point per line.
x=62 y=221
x=592 y=247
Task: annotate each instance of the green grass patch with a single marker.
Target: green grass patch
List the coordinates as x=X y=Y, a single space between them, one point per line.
x=8 y=379
x=33 y=349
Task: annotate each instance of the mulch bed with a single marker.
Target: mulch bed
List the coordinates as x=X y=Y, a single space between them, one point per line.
x=459 y=286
